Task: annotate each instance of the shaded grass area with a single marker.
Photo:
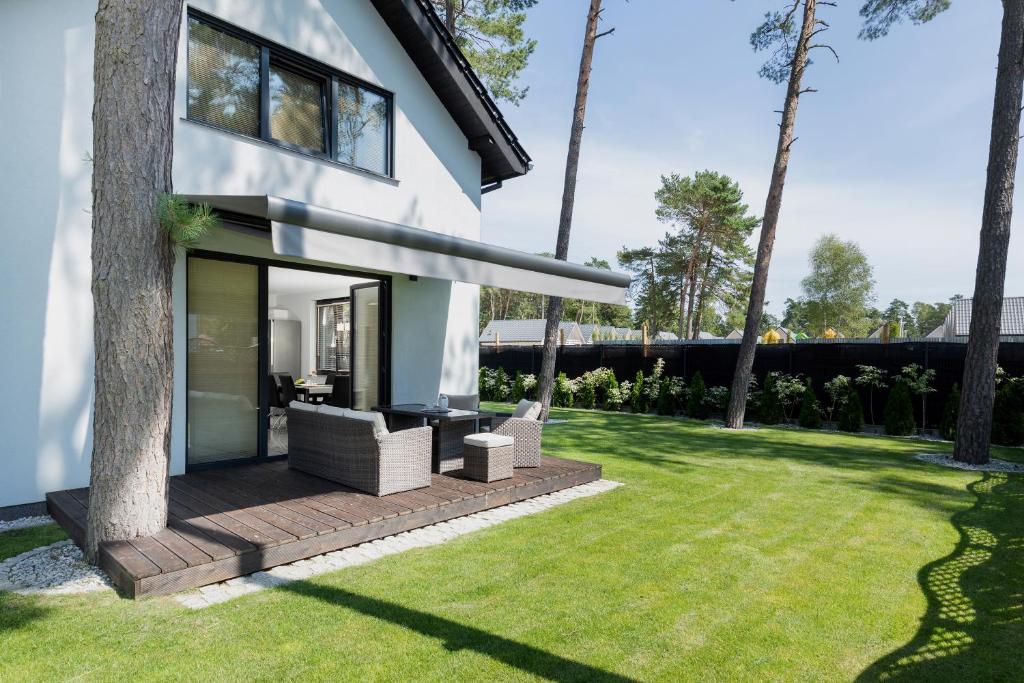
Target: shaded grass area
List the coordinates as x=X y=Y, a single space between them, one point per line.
x=769 y=554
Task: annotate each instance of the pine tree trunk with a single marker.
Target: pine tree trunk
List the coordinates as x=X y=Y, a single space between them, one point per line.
x=974 y=424
x=699 y=318
x=132 y=262
x=773 y=205
x=449 y=16
x=572 y=161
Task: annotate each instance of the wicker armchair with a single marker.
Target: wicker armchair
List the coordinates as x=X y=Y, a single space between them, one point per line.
x=350 y=452
x=526 y=434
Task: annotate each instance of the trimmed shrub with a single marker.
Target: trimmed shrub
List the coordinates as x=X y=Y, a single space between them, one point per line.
x=810 y=411
x=637 y=399
x=696 y=398
x=586 y=396
x=666 y=401
x=612 y=395
x=950 y=414
x=518 y=388
x=501 y=387
x=851 y=415
x=899 y=412
x=562 y=397
x=1008 y=415
x=772 y=409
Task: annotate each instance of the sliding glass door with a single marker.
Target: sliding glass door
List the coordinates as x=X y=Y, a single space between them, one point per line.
x=367 y=318
x=223 y=362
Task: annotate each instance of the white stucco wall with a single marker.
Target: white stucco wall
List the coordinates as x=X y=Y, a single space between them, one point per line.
x=45 y=133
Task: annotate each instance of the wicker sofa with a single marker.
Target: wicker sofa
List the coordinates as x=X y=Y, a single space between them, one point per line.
x=525 y=430
x=332 y=443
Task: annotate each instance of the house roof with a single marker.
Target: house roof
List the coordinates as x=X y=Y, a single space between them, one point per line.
x=433 y=49
x=958 y=320
x=527 y=331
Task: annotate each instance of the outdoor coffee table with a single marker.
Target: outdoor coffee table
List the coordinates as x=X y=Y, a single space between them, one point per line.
x=450 y=428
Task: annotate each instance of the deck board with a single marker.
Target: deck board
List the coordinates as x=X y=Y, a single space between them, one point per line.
x=235 y=521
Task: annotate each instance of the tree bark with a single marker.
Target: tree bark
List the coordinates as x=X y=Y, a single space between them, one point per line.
x=572 y=161
x=132 y=261
x=699 y=319
x=974 y=424
x=773 y=205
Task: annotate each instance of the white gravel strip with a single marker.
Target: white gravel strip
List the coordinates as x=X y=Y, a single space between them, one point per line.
x=993 y=465
x=54 y=569
x=434 y=534
x=25 y=523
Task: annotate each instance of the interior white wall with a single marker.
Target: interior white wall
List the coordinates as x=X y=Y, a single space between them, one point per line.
x=302 y=307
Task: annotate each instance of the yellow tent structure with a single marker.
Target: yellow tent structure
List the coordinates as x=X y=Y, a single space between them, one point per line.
x=772 y=337
x=830 y=334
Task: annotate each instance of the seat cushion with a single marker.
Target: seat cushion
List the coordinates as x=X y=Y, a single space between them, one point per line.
x=488 y=440
x=302 y=405
x=380 y=426
x=527 y=409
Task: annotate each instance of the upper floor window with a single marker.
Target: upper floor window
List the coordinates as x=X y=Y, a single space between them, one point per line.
x=242 y=84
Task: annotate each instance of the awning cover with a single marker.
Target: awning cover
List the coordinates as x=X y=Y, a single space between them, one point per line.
x=314 y=232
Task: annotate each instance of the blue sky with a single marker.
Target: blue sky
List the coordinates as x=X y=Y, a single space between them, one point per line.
x=891 y=151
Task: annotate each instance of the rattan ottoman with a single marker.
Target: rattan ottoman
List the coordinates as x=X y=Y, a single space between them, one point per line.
x=487 y=457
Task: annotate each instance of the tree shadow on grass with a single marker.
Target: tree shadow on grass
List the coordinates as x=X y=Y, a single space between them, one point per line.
x=973 y=628
x=456 y=636
x=17 y=611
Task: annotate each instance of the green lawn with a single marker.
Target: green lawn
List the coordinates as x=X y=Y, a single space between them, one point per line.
x=758 y=555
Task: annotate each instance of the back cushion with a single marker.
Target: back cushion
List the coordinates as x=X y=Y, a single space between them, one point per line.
x=527 y=409
x=332 y=410
x=379 y=425
x=302 y=405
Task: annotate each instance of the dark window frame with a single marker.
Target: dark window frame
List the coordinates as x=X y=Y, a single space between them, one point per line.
x=331 y=302
x=274 y=54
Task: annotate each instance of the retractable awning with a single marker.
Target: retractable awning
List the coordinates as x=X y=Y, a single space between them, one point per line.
x=318 y=233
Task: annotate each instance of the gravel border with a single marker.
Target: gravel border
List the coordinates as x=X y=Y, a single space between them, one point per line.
x=55 y=569
x=993 y=465
x=25 y=523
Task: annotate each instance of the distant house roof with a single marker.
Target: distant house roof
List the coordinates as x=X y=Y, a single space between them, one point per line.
x=735 y=334
x=704 y=335
x=527 y=332
x=958 y=320
x=668 y=336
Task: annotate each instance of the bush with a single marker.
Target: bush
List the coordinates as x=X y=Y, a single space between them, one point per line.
x=587 y=395
x=950 y=414
x=637 y=399
x=666 y=401
x=899 y=413
x=562 y=395
x=613 y=399
x=718 y=399
x=518 y=388
x=772 y=409
x=696 y=398
x=851 y=415
x=501 y=387
x=810 y=411
x=1008 y=414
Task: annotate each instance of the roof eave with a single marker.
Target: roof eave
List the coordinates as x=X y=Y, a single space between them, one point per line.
x=432 y=48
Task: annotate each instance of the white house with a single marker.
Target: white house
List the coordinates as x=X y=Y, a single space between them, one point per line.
x=346 y=145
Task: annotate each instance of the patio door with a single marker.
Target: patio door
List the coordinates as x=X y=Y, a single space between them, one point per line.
x=225 y=327
x=369 y=345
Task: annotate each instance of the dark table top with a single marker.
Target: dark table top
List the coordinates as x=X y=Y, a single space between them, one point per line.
x=427 y=412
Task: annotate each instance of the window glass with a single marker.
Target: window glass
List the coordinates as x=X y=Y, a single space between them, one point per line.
x=296 y=116
x=223 y=79
x=362 y=128
x=332 y=337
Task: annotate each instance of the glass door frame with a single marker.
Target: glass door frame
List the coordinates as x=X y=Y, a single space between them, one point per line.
x=263 y=353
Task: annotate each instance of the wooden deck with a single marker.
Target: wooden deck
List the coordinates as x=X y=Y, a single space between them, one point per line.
x=235 y=521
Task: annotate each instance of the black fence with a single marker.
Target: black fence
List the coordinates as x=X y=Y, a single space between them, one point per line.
x=716 y=362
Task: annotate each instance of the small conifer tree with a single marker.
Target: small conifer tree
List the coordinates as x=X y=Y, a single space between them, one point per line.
x=637 y=400
x=772 y=410
x=899 y=412
x=518 y=388
x=1008 y=414
x=562 y=395
x=950 y=414
x=587 y=396
x=666 y=402
x=851 y=415
x=810 y=410
x=697 y=398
